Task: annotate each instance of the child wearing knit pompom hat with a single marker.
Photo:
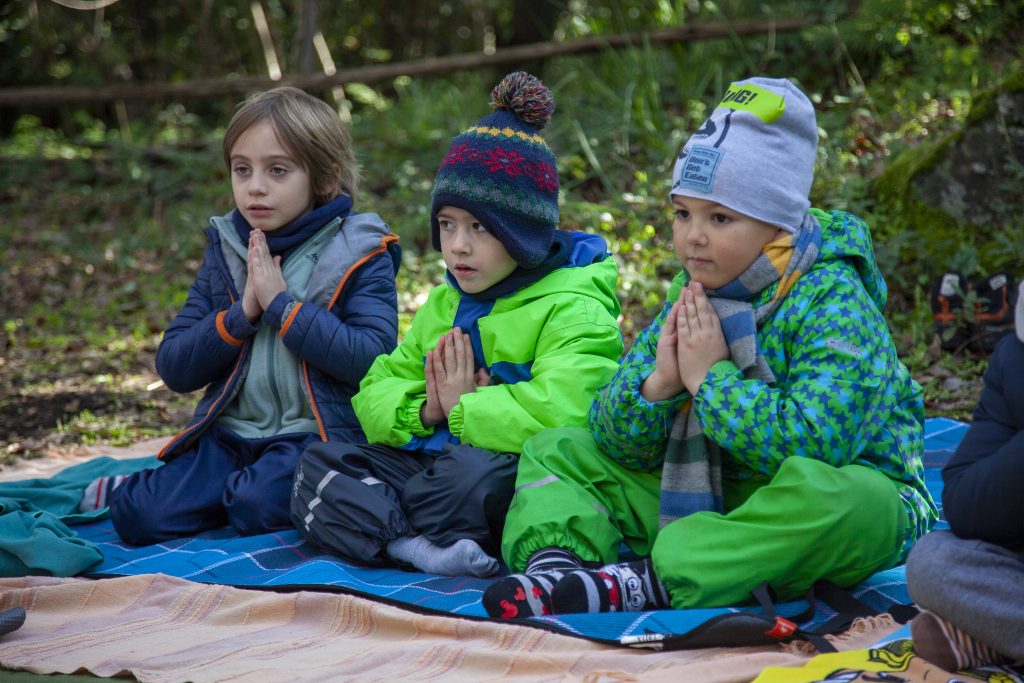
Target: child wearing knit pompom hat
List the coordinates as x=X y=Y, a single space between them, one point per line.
x=518 y=338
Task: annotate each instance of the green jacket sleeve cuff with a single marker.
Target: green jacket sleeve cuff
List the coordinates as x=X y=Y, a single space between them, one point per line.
x=721 y=372
x=456 y=421
x=669 y=405
x=409 y=418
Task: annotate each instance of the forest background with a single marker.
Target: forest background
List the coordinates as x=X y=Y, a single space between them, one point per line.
x=104 y=192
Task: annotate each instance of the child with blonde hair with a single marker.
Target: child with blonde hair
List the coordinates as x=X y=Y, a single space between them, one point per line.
x=294 y=300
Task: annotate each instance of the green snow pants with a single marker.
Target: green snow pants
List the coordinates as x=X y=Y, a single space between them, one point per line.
x=811 y=521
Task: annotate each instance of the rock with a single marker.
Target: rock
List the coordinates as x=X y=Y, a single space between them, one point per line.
x=938 y=371
x=964 y=188
x=968 y=182
x=952 y=384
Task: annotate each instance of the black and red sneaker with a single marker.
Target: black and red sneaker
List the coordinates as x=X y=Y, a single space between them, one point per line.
x=994 y=300
x=952 y=325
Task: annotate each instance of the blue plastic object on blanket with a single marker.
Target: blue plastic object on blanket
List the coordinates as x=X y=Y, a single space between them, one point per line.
x=284 y=561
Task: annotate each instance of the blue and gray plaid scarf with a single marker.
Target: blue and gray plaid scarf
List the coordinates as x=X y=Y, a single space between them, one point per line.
x=691 y=478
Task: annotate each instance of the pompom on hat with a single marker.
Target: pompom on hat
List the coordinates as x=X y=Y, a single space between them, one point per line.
x=502 y=172
x=755 y=153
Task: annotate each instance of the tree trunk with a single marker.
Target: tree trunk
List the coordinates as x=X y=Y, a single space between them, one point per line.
x=213 y=87
x=304 y=57
x=533 y=21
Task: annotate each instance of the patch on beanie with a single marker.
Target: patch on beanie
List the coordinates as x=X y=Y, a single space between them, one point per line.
x=762 y=103
x=698 y=169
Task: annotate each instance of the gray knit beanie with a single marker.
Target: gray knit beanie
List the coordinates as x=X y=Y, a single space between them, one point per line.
x=755 y=154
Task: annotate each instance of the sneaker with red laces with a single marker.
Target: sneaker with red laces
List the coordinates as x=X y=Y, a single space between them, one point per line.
x=948 y=313
x=994 y=300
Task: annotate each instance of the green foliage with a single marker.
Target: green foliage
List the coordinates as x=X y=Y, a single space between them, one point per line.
x=90 y=429
x=939 y=238
x=104 y=213
x=399 y=147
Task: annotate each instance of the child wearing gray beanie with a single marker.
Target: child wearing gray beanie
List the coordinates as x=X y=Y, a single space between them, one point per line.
x=761 y=429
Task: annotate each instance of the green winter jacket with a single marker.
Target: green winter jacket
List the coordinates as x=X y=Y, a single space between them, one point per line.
x=841 y=394
x=547 y=347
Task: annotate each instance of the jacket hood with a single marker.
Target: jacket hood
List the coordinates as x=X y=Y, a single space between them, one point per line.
x=589 y=271
x=844 y=237
x=360 y=234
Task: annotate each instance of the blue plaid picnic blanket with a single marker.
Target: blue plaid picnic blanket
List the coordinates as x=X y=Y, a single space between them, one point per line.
x=283 y=561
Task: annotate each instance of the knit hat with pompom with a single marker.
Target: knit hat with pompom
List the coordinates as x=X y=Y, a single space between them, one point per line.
x=503 y=173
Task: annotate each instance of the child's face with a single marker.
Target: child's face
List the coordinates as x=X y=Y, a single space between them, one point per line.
x=270 y=188
x=474 y=256
x=717 y=244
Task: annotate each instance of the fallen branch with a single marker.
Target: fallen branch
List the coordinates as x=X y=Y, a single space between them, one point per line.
x=28 y=96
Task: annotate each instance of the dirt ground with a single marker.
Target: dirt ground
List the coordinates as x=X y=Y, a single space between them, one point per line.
x=70 y=412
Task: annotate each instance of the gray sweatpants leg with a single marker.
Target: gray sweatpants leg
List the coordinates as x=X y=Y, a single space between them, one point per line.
x=976 y=586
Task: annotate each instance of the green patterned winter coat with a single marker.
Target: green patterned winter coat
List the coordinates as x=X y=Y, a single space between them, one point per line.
x=547 y=346
x=841 y=394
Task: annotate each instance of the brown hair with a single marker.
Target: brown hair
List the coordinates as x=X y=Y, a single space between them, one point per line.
x=310 y=130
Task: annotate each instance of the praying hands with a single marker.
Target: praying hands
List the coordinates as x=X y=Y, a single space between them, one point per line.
x=691 y=341
x=449 y=374
x=265 y=279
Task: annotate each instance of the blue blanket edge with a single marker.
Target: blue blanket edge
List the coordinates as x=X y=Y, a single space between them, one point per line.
x=459 y=596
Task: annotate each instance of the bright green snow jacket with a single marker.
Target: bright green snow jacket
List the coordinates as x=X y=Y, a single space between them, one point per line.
x=548 y=347
x=841 y=394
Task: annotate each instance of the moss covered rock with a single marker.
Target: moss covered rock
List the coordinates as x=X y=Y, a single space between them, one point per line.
x=968 y=186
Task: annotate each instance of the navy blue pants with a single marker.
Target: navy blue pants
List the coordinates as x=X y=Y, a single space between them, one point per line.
x=351 y=499
x=222 y=479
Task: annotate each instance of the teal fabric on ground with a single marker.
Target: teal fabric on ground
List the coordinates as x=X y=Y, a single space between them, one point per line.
x=34 y=514
x=33 y=542
x=811 y=521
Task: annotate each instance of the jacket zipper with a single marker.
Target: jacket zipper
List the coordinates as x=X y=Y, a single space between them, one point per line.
x=384 y=242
